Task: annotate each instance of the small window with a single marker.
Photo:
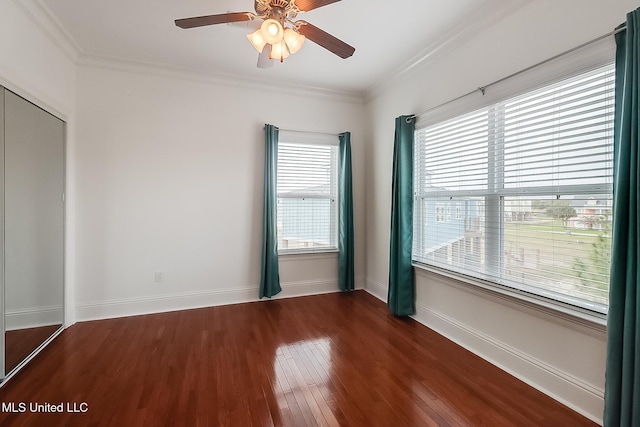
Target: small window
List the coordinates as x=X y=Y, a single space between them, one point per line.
x=530 y=179
x=307 y=194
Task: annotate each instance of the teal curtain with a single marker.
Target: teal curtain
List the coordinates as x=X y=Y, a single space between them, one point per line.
x=401 y=297
x=622 y=385
x=269 y=275
x=346 y=274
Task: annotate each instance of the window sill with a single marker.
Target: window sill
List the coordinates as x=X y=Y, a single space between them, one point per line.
x=307 y=255
x=586 y=321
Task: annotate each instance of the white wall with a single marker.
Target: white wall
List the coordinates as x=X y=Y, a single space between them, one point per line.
x=562 y=356
x=170 y=179
x=161 y=159
x=38 y=64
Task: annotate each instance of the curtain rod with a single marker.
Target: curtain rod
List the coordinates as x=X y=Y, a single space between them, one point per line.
x=484 y=88
x=307 y=132
x=311 y=133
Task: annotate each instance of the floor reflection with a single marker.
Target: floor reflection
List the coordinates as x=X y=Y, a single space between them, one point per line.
x=302 y=380
x=326 y=360
x=20 y=343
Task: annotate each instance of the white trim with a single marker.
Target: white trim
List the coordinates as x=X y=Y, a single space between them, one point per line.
x=33 y=317
x=307 y=251
x=589 y=323
x=586 y=399
x=200 y=76
x=41 y=15
x=44 y=20
x=160 y=304
x=311 y=138
x=331 y=254
x=308 y=287
x=444 y=44
x=38 y=12
x=38 y=98
x=191 y=300
x=377 y=289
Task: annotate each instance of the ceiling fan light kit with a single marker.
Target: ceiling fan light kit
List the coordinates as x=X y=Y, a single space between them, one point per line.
x=294 y=40
x=279 y=31
x=279 y=51
x=257 y=40
x=272 y=31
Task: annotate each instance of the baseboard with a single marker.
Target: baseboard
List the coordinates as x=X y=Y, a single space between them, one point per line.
x=569 y=390
x=377 y=289
x=186 y=301
x=33 y=317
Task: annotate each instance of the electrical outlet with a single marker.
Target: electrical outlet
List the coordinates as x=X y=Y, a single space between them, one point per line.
x=159 y=276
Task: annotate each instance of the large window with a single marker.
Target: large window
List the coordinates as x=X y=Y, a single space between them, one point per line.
x=307 y=193
x=519 y=194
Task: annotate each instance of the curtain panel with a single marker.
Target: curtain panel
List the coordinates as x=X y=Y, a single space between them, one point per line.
x=269 y=274
x=401 y=296
x=622 y=385
x=346 y=272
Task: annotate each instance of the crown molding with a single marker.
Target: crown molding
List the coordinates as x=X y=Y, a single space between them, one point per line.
x=45 y=20
x=445 y=43
x=207 y=77
x=40 y=15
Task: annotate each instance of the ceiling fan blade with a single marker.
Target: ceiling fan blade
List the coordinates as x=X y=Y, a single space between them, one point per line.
x=201 y=21
x=307 y=5
x=263 y=58
x=325 y=39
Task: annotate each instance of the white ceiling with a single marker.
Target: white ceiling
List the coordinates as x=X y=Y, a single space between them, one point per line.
x=388 y=36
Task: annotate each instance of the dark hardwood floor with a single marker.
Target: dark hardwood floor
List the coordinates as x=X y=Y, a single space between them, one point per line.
x=337 y=359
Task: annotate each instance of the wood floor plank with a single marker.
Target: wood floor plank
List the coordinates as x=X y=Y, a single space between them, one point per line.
x=326 y=360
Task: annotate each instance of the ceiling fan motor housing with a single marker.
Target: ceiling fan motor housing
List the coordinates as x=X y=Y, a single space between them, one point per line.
x=266 y=7
x=280 y=10
x=279 y=3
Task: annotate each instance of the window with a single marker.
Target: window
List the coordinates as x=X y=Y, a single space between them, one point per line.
x=530 y=179
x=307 y=192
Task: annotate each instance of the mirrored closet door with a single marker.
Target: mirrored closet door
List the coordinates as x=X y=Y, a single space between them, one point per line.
x=32 y=228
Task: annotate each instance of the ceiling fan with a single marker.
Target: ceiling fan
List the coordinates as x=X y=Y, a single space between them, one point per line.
x=279 y=35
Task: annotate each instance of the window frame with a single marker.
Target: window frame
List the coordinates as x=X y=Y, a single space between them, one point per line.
x=579 y=61
x=314 y=139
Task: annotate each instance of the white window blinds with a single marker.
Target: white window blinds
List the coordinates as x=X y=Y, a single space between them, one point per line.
x=520 y=192
x=307 y=197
